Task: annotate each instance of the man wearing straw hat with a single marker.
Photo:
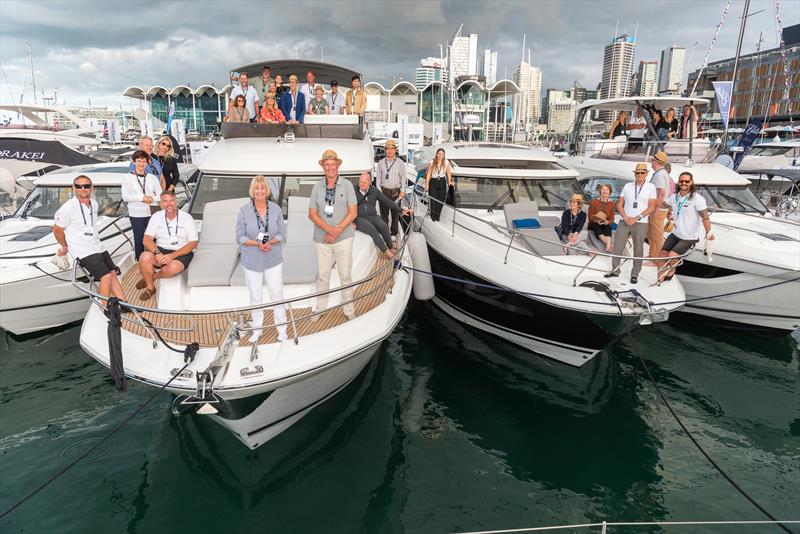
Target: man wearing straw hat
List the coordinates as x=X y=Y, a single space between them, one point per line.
x=332 y=209
x=660 y=179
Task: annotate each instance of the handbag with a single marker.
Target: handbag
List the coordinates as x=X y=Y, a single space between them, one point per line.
x=669 y=226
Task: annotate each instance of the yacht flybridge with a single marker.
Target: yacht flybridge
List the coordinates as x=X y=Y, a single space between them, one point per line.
x=499 y=267
x=259 y=387
x=751 y=275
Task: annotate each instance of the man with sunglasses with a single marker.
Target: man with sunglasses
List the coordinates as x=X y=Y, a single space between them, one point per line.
x=636 y=202
x=75 y=229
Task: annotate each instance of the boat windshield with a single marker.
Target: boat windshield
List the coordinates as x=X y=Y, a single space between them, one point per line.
x=770 y=150
x=730 y=198
x=44 y=201
x=490 y=193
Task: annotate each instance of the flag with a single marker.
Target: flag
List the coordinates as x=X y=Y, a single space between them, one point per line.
x=750 y=134
x=169 y=117
x=724 y=93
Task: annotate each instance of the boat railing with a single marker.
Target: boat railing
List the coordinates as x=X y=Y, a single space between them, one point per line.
x=621 y=148
x=607 y=526
x=669 y=263
x=233 y=130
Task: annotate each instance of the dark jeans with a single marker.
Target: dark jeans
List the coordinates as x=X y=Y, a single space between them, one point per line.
x=373 y=226
x=437 y=191
x=393 y=195
x=138 y=225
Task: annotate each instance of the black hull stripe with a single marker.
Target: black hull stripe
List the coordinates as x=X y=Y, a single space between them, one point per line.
x=46 y=304
x=50 y=255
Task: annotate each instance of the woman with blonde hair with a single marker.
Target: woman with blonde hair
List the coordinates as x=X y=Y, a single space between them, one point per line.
x=438 y=178
x=165 y=152
x=260 y=234
x=620 y=126
x=572 y=221
x=270 y=113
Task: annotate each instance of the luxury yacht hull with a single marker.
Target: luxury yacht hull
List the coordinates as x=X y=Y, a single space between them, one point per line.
x=40 y=303
x=570 y=336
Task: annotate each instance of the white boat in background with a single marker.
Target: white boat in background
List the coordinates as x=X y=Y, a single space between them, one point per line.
x=48 y=123
x=514 y=280
x=259 y=388
x=780 y=158
x=754 y=251
x=34 y=293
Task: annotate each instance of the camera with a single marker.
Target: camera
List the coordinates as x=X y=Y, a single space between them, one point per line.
x=262 y=238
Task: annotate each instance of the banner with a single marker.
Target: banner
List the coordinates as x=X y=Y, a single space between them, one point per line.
x=402 y=134
x=197 y=151
x=147 y=127
x=724 y=94
x=114 y=135
x=750 y=134
x=178 y=131
x=169 y=117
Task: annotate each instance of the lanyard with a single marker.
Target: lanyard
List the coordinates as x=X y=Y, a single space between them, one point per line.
x=141 y=184
x=91 y=213
x=364 y=198
x=294 y=101
x=572 y=219
x=318 y=106
x=354 y=101
x=166 y=222
x=330 y=194
x=637 y=191
x=389 y=167
x=333 y=100
x=679 y=205
x=265 y=223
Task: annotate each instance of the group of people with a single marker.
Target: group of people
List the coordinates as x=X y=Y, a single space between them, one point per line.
x=644 y=209
x=165 y=237
x=268 y=100
x=665 y=125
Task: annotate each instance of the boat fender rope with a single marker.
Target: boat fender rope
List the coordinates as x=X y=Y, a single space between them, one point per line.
x=601 y=286
x=114 y=335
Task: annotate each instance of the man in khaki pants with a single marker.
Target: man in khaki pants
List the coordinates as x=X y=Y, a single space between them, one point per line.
x=660 y=179
x=332 y=209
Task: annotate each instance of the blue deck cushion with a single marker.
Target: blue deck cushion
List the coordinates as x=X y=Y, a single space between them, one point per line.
x=526 y=224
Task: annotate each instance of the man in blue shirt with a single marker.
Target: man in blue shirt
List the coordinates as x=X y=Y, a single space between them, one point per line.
x=153 y=166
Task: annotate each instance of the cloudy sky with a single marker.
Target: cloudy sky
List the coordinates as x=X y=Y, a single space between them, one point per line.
x=96 y=49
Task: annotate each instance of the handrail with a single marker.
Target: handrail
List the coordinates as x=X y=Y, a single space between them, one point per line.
x=600 y=144
x=760 y=216
x=605 y=524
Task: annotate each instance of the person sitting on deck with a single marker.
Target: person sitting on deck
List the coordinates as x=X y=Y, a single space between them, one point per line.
x=367 y=219
x=601 y=216
x=572 y=221
x=169 y=242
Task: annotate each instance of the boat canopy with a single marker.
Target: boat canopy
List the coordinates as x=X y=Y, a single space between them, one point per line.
x=323 y=72
x=630 y=103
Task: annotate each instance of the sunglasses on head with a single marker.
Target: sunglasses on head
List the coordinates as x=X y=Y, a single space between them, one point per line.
x=82 y=186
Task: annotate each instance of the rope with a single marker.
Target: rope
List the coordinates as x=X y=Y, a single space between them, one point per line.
x=189 y=353
x=699 y=447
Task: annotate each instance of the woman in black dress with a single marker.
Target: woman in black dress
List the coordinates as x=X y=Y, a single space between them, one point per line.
x=165 y=152
x=620 y=126
x=438 y=178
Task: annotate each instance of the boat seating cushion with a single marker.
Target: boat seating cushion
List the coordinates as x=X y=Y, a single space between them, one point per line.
x=299 y=228
x=526 y=223
x=213 y=264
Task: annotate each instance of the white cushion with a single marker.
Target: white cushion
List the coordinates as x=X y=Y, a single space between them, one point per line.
x=213 y=264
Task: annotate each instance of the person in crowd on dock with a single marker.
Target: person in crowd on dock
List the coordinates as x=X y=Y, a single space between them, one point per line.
x=620 y=126
x=637 y=128
x=318 y=104
x=262 y=83
x=335 y=99
x=689 y=211
x=75 y=229
x=140 y=190
x=656 y=220
x=355 y=100
x=153 y=165
x=438 y=178
x=636 y=202
x=238 y=111
x=309 y=88
x=293 y=103
x=260 y=235
x=332 y=210
x=270 y=113
x=250 y=95
x=659 y=124
x=169 y=240
x=279 y=87
x=672 y=123
x=687 y=127
x=601 y=216
x=391 y=178
x=170 y=174
x=367 y=219
x=572 y=221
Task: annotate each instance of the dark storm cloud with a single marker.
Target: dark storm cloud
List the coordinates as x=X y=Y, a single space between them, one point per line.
x=100 y=48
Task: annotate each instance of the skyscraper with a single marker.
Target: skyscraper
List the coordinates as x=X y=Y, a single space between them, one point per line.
x=529 y=80
x=671 y=70
x=617 y=70
x=490 y=67
x=430 y=69
x=648 y=78
x=464 y=55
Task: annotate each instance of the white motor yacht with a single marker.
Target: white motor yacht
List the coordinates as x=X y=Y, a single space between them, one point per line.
x=780 y=158
x=48 y=123
x=34 y=293
x=499 y=267
x=750 y=275
x=257 y=388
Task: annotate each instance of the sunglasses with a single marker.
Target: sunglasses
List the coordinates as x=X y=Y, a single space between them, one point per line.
x=82 y=186
x=165 y=144
x=640 y=172
x=684 y=181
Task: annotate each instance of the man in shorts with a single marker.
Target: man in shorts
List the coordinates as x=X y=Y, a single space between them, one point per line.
x=76 y=231
x=689 y=211
x=169 y=243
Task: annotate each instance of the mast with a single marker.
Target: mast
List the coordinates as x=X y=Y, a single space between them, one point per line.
x=753 y=86
x=736 y=61
x=33 y=77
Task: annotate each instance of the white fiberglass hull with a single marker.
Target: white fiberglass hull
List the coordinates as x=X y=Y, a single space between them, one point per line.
x=39 y=303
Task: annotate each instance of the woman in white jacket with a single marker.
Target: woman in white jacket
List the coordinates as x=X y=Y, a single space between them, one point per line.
x=141 y=191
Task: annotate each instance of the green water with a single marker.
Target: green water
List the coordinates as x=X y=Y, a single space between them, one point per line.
x=446 y=430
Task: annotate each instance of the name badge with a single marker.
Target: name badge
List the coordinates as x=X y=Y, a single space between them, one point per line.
x=88 y=234
x=329 y=211
x=174 y=242
x=635 y=205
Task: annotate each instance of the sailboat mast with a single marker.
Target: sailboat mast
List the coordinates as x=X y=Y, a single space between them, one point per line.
x=33 y=78
x=736 y=60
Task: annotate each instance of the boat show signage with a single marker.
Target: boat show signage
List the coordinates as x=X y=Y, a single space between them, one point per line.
x=750 y=134
x=724 y=93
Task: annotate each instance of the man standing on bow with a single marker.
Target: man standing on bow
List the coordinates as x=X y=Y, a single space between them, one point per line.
x=391 y=178
x=660 y=180
x=332 y=209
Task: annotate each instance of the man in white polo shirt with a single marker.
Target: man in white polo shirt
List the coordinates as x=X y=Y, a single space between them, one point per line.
x=636 y=202
x=75 y=230
x=169 y=242
x=250 y=96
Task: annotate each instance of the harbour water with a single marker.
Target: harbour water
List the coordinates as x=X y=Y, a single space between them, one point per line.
x=447 y=430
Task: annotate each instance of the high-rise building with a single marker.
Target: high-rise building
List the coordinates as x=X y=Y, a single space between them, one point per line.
x=647 y=78
x=490 y=66
x=669 y=82
x=464 y=55
x=431 y=69
x=617 y=70
x=529 y=80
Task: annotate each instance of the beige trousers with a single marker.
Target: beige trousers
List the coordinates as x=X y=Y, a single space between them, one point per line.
x=655 y=231
x=341 y=253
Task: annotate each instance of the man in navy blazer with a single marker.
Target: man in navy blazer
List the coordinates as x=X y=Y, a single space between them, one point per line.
x=293 y=103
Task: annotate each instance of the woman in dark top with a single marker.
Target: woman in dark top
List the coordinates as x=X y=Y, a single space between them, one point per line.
x=165 y=152
x=572 y=221
x=659 y=124
x=620 y=126
x=279 y=87
x=672 y=123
